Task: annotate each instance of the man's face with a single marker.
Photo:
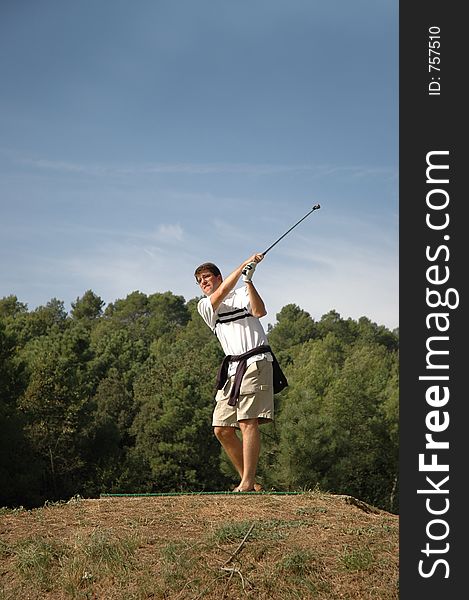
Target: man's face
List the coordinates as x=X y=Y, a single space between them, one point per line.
x=208 y=282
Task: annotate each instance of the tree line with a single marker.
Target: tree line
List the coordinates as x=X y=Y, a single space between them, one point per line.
x=118 y=399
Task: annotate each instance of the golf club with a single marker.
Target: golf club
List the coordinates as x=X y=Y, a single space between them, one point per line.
x=315 y=207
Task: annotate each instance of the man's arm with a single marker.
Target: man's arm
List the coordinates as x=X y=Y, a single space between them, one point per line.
x=229 y=283
x=257 y=304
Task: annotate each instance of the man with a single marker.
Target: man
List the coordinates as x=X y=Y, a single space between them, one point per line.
x=245 y=382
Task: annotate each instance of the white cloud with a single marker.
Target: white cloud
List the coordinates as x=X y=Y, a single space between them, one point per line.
x=190 y=168
x=318 y=275
x=355 y=280
x=169 y=233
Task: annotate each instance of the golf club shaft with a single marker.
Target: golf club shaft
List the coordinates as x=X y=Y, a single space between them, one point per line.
x=315 y=207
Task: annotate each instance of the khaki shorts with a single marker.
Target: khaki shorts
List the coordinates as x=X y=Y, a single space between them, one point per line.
x=256 y=398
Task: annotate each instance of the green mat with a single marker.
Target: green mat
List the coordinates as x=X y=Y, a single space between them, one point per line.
x=263 y=493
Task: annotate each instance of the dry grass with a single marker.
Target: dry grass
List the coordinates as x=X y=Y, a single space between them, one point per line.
x=313 y=545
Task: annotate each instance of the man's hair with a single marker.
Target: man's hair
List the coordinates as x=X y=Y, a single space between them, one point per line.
x=208 y=266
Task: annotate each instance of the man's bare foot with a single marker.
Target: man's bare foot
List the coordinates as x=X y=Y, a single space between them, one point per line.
x=256 y=488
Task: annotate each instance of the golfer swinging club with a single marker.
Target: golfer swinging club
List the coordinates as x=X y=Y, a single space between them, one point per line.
x=249 y=374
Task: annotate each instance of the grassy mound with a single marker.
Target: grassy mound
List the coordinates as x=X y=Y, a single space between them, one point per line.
x=311 y=545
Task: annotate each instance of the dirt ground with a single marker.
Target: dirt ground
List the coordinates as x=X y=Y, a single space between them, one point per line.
x=309 y=545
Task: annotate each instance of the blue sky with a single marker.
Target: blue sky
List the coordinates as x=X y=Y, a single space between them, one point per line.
x=140 y=139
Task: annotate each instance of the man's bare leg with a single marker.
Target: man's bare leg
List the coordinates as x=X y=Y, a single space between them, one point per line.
x=232 y=445
x=251 y=446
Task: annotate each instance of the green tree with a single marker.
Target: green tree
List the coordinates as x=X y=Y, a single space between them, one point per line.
x=332 y=322
x=10 y=306
x=368 y=331
x=304 y=450
x=131 y=314
x=107 y=439
x=55 y=406
x=24 y=325
x=19 y=483
x=168 y=313
x=121 y=400
x=294 y=326
x=117 y=348
x=45 y=319
x=89 y=306
x=337 y=420
x=173 y=429
x=129 y=327
x=364 y=457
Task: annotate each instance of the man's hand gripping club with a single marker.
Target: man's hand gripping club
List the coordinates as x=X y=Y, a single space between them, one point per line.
x=248 y=271
x=257 y=304
x=250 y=267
